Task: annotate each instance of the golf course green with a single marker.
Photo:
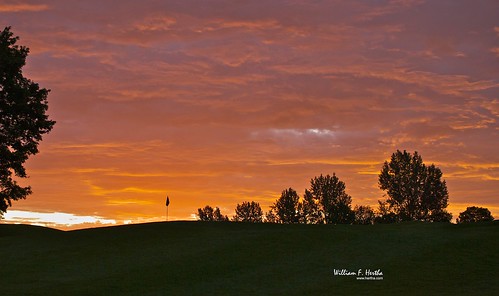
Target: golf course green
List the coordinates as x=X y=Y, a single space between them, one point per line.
x=228 y=258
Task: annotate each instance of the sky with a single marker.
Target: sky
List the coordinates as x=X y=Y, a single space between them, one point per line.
x=220 y=102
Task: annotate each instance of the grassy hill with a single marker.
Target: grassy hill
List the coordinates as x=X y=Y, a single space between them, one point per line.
x=193 y=258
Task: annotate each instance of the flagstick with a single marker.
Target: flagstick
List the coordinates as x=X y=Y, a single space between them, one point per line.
x=167 y=204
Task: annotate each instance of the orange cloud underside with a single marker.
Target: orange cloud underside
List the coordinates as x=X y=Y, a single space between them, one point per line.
x=217 y=104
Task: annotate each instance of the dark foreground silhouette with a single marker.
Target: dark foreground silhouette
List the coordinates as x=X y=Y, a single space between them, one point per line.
x=219 y=258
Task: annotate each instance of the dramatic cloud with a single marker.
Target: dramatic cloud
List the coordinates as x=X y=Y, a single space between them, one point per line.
x=220 y=102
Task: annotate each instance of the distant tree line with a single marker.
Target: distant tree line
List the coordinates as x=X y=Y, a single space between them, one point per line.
x=415 y=192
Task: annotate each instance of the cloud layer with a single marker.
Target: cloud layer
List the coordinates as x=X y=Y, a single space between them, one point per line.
x=221 y=102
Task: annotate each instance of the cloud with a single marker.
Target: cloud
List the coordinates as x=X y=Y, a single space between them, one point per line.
x=157 y=23
x=22 y=7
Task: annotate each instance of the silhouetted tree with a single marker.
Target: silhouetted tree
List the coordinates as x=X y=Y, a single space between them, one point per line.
x=270 y=217
x=441 y=216
x=248 y=212
x=217 y=216
x=23 y=118
x=334 y=203
x=310 y=213
x=209 y=214
x=384 y=214
x=475 y=214
x=205 y=214
x=287 y=207
x=415 y=191
x=364 y=215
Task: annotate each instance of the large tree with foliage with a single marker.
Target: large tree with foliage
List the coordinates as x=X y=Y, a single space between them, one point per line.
x=415 y=191
x=287 y=207
x=23 y=118
x=248 y=212
x=475 y=214
x=334 y=203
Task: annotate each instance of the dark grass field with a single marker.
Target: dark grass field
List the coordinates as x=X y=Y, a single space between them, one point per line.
x=194 y=258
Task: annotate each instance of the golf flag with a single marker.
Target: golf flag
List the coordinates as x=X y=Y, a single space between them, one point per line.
x=167 y=201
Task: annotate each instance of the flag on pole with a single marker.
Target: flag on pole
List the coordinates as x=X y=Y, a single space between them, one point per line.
x=167 y=204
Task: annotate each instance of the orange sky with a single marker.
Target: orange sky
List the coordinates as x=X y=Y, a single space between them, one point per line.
x=220 y=102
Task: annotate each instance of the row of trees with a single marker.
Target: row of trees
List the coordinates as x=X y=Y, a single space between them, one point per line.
x=416 y=192
x=365 y=215
x=245 y=212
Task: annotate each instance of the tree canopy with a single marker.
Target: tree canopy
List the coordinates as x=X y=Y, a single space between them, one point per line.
x=475 y=214
x=364 y=215
x=311 y=214
x=333 y=202
x=248 y=212
x=415 y=191
x=209 y=214
x=23 y=118
x=287 y=207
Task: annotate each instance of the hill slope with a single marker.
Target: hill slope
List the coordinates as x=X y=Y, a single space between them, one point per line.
x=191 y=258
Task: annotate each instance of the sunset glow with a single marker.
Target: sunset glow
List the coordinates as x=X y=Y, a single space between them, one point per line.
x=220 y=102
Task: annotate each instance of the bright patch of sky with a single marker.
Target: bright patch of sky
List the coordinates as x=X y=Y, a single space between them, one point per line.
x=53 y=219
